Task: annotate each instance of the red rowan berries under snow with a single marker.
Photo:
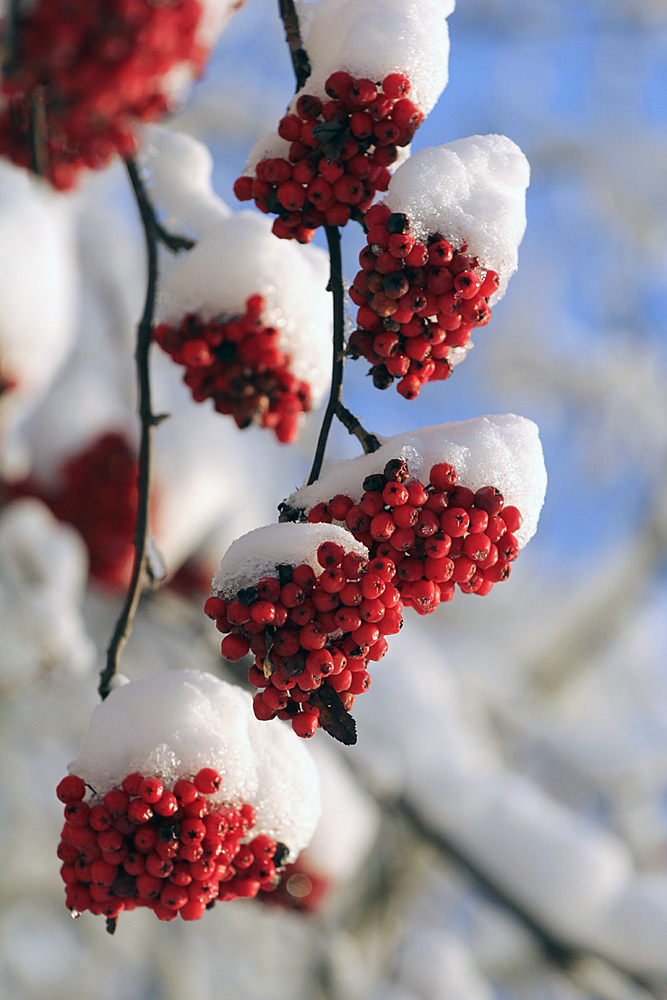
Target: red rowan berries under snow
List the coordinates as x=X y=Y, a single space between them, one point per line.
x=445 y=505
x=441 y=249
x=148 y=825
x=96 y=73
x=313 y=611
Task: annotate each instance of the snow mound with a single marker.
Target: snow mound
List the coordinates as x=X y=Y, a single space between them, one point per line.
x=43 y=570
x=372 y=38
x=178 y=170
x=473 y=192
x=177 y=722
x=258 y=553
x=502 y=451
x=240 y=257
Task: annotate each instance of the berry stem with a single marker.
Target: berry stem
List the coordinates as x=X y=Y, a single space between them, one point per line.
x=300 y=60
x=369 y=442
x=336 y=288
x=148 y=420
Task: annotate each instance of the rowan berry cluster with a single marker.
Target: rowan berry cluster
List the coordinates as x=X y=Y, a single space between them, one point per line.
x=311 y=634
x=338 y=157
x=437 y=534
x=238 y=362
x=96 y=492
x=95 y=69
x=175 y=851
x=417 y=301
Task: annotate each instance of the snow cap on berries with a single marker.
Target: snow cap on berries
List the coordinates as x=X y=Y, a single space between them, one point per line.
x=178 y=170
x=372 y=38
x=240 y=258
x=471 y=191
x=261 y=551
x=502 y=451
x=173 y=724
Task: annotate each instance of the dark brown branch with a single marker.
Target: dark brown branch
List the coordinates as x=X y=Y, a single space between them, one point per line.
x=169 y=240
x=148 y=421
x=353 y=425
x=10 y=42
x=39 y=160
x=300 y=60
x=336 y=288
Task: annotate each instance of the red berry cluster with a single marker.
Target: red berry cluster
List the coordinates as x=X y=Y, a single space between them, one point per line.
x=97 y=494
x=172 y=850
x=239 y=364
x=311 y=633
x=338 y=157
x=416 y=301
x=93 y=69
x=437 y=535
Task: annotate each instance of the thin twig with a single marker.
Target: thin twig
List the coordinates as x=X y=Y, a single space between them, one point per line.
x=148 y=421
x=10 y=43
x=369 y=442
x=300 y=60
x=336 y=289
x=169 y=240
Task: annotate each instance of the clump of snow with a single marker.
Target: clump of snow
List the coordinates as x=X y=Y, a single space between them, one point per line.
x=372 y=38
x=258 y=553
x=472 y=192
x=178 y=171
x=43 y=569
x=240 y=257
x=177 y=722
x=37 y=253
x=502 y=451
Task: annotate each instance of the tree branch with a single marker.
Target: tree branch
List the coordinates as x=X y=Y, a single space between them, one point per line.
x=300 y=60
x=148 y=421
x=369 y=442
x=336 y=289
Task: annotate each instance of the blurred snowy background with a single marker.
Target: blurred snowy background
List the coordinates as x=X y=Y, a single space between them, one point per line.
x=500 y=831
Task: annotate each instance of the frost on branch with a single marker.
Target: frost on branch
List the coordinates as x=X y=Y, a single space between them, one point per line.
x=446 y=505
x=378 y=67
x=312 y=609
x=179 y=797
x=441 y=249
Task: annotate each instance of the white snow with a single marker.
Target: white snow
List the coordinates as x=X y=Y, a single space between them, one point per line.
x=502 y=451
x=258 y=553
x=43 y=570
x=471 y=191
x=215 y=15
x=372 y=38
x=240 y=257
x=178 y=171
x=38 y=285
x=176 y=722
